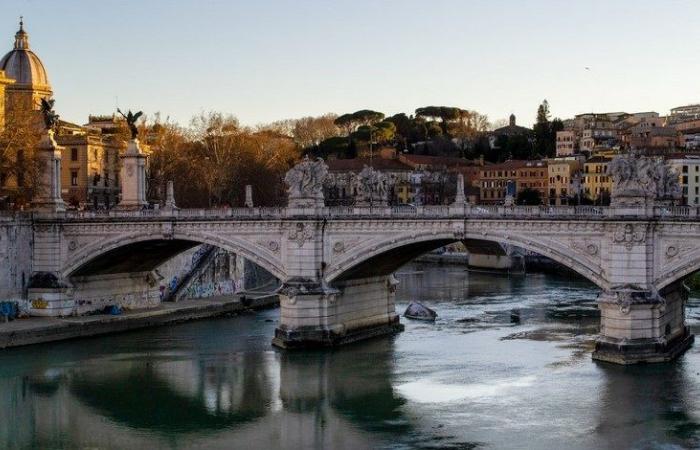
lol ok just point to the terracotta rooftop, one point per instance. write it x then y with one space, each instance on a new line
508 165
357 164
443 161
598 159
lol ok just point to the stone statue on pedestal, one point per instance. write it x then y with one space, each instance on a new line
640 181
47 195
131 119
372 187
49 115
305 182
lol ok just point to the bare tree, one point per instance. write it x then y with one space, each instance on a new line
19 165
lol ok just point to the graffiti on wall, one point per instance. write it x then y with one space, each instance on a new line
211 289
39 303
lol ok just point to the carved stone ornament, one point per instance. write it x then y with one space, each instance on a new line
300 234
629 235
637 179
305 180
339 247
625 296
588 247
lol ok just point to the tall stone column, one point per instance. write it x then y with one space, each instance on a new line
458 207
170 197
133 177
248 196
47 197
460 199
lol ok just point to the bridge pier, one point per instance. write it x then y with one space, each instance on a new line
49 296
642 326
316 315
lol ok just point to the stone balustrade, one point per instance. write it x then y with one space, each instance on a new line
431 211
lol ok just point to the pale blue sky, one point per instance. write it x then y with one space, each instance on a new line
264 60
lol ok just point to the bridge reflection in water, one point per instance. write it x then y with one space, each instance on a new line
106 397
475 377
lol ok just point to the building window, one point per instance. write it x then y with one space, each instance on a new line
74 178
73 154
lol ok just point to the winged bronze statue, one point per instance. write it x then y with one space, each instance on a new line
49 115
131 119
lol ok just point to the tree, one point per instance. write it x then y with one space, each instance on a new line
403 124
546 132
543 112
434 130
367 116
347 122
499 123
446 114
311 131
20 167
529 196
212 160
335 146
381 132
351 121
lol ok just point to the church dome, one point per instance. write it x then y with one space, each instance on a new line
22 64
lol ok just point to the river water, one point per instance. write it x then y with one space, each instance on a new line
506 366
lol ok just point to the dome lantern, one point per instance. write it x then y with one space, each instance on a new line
21 37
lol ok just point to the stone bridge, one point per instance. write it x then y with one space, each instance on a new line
336 264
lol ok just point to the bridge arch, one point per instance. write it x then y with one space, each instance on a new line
171 245
687 265
393 252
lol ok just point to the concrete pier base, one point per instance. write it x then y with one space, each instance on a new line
49 296
641 326
314 315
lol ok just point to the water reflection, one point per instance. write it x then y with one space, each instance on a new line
651 406
177 396
506 365
280 400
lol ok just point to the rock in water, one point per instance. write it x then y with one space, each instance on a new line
419 312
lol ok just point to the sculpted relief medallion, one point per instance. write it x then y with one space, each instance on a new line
630 235
300 234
